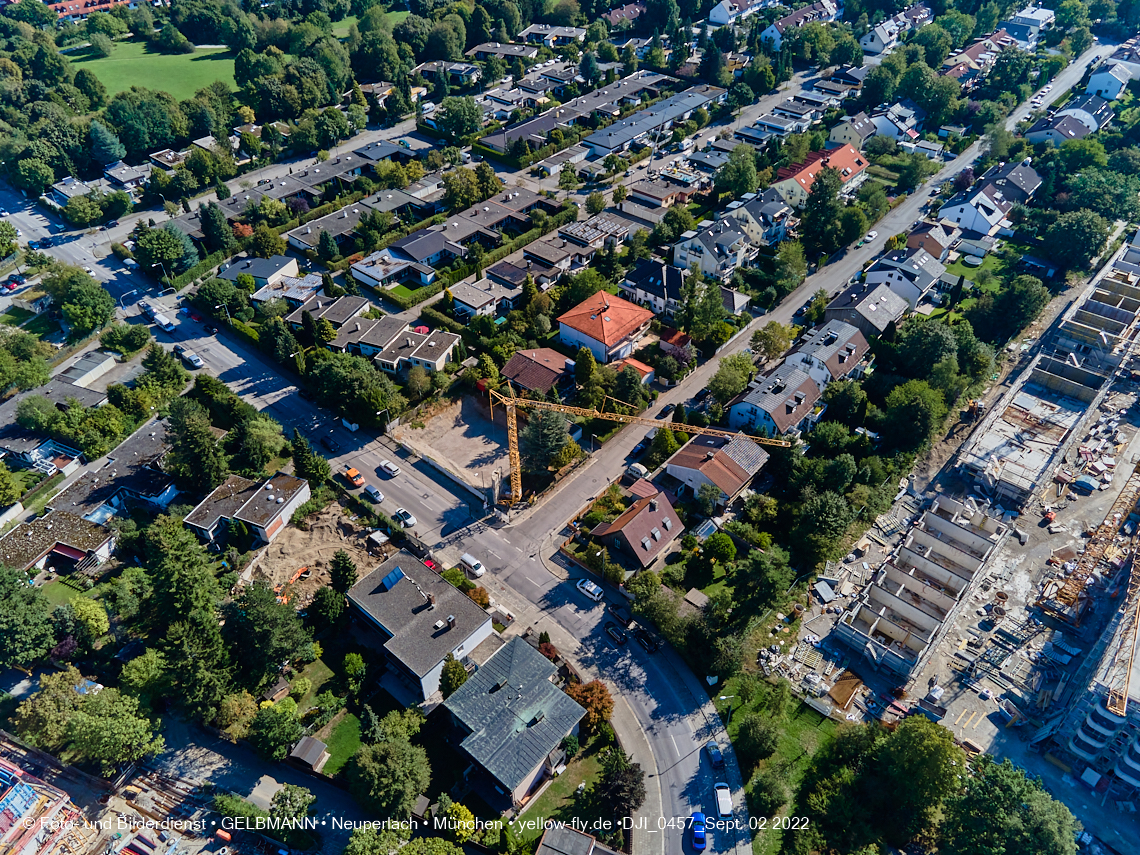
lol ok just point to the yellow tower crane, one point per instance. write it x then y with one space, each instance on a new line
512 404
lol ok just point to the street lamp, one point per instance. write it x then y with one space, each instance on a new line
728 698
227 311
132 291
384 423
593 436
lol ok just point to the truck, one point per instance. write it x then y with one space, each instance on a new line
156 317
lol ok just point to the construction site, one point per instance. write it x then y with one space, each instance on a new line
1009 612
297 563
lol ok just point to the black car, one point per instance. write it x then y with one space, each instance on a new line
701 395
330 444
666 410
646 640
615 633
622 615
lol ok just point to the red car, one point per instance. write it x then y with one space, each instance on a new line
195 317
10 287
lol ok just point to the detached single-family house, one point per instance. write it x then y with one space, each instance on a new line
129 178
730 11
538 370
338 311
656 284
794 182
869 308
910 273
265 271
900 121
783 401
430 351
1092 111
980 209
643 531
1108 81
835 351
421 619
727 464
264 508
293 290
936 238
717 249
552 36
765 217
1056 129
608 326
884 36
511 719
853 131
58 539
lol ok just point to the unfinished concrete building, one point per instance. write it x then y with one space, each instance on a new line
1027 435
897 620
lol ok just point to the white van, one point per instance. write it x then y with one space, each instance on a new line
636 470
723 800
472 565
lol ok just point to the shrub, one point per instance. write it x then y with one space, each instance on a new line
768 793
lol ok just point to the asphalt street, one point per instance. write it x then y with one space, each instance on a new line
667 701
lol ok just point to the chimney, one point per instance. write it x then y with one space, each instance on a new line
431 601
653 504
451 621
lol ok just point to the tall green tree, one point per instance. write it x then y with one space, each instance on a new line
183 578
738 175
105 145
821 221
216 229
196 458
622 784
343 572
108 728
263 632
275 729
386 778
545 435
452 677
25 620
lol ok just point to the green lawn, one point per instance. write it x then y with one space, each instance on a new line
343 743
14 316
41 325
561 800
58 593
133 64
991 262
403 291
318 673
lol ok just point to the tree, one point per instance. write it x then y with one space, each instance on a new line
196 459
719 547
386 778
731 378
10 489
216 230
291 802
756 738
1076 238
772 340
584 366
622 784
306 463
708 497
275 729
452 677
567 179
459 117
1113 195
1001 810
914 411
595 203
738 175
588 68
918 765
266 243
327 607
91 616
366 839
343 572
461 189
595 698
109 729
820 225
105 146
265 631
619 194
461 822
487 182
769 792
25 621
544 436
184 581
145 676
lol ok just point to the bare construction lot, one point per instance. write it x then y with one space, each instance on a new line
299 560
462 439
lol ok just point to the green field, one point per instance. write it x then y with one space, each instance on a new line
133 64
343 743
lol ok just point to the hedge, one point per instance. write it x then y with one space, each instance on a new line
430 313
246 331
209 263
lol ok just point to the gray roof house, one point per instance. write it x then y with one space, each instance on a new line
1057 129
512 718
265 271
1091 110
655 284
781 402
420 619
868 308
910 273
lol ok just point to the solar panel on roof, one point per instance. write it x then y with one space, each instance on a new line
389 581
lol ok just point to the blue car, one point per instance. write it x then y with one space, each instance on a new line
697 822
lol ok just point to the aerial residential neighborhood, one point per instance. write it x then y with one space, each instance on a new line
569 428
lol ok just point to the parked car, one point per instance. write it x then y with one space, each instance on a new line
646 640
615 633
330 444
9 287
193 360
622 615
389 468
715 755
471 565
373 494
404 518
180 349
591 590
870 236
17 279
697 823
353 476
666 410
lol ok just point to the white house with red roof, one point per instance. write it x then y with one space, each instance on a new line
608 326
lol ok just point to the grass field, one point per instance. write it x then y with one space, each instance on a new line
133 64
403 291
14 316
343 743
561 800
991 262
